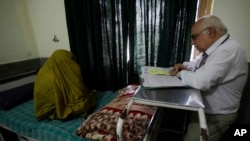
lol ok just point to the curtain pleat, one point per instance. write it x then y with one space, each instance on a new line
111 39
162 32
177 46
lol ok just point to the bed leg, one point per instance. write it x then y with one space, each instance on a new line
121 119
203 125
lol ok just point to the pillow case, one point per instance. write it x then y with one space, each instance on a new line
101 125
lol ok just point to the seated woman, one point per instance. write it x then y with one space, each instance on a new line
59 91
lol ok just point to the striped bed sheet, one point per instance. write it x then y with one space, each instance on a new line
22 121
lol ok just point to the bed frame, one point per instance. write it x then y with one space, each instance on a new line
20 120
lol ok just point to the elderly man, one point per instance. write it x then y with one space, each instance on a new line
219 72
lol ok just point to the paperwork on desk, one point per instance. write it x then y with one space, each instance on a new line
158 77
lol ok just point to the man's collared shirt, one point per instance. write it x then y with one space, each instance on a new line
221 79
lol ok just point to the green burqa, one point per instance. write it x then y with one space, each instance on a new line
59 91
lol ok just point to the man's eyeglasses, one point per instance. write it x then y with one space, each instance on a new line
194 36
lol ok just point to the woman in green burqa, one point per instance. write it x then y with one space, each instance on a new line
59 91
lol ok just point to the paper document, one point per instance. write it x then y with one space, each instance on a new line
156 77
158 71
155 70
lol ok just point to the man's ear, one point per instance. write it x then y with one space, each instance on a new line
211 32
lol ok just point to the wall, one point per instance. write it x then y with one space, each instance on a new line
48 19
28 27
234 14
17 41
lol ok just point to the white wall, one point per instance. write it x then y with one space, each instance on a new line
17 40
235 15
28 27
48 19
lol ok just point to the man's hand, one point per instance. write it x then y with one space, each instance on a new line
176 68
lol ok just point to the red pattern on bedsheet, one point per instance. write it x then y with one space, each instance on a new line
101 125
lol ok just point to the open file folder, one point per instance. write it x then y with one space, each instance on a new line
158 77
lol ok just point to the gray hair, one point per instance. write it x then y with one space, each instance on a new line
213 21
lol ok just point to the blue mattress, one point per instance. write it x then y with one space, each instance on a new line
21 120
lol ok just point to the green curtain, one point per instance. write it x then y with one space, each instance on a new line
162 31
175 43
98 33
111 39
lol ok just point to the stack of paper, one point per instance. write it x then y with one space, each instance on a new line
158 77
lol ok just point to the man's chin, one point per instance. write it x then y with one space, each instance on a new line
200 50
